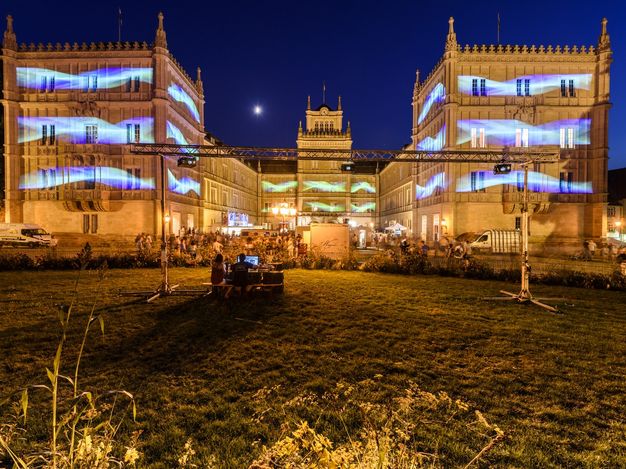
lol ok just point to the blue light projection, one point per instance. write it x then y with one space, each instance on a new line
437 95
73 129
180 95
183 185
174 132
107 175
435 143
537 182
502 131
366 207
539 84
436 181
322 207
362 186
101 78
279 186
323 186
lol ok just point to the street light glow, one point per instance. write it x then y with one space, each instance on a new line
258 110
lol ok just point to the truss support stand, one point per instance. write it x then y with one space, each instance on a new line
524 296
165 288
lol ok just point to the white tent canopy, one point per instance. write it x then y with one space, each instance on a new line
396 227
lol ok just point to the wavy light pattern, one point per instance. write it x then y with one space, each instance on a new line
73 129
436 181
183 185
502 131
285 186
437 95
539 84
537 182
362 186
366 207
180 95
435 143
106 78
107 175
323 186
322 207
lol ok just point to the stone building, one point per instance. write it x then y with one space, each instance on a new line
319 190
513 96
70 113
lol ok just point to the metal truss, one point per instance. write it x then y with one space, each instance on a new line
516 155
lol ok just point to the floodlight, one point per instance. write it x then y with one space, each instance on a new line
502 168
347 167
187 161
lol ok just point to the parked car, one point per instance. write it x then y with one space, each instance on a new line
25 235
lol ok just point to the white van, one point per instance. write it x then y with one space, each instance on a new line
498 242
25 235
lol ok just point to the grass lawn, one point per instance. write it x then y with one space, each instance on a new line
554 383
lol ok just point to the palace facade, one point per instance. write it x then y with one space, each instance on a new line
499 96
71 111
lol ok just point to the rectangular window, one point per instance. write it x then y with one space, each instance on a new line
527 87
565 181
483 87
519 87
477 181
572 91
90 182
563 89
85 223
518 223
137 84
521 137
129 133
44 134
137 133
570 138
43 84
94 224
52 178
474 87
129 85
91 134
53 137
481 138
51 84
94 82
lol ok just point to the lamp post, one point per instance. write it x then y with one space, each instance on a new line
283 209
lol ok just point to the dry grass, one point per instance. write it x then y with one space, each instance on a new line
555 384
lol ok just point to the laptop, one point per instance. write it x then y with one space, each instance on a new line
254 260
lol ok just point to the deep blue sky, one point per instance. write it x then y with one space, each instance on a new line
275 53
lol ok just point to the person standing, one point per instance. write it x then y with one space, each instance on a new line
592 248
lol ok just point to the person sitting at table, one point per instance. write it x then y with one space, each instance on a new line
217 271
240 274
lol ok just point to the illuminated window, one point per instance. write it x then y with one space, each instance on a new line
474 86
521 137
566 137
46 84
477 181
483 87
478 137
48 134
566 178
518 223
526 87
91 134
519 87
91 83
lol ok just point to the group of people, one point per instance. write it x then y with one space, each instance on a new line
607 252
444 246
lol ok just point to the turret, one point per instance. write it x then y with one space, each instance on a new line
9 41
451 43
160 39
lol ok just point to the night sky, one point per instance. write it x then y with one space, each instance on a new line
275 53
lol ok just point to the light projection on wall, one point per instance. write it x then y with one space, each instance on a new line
537 182
323 186
539 84
102 78
503 132
437 95
362 186
183 185
107 175
238 219
180 95
363 208
322 207
433 183
174 132
86 129
285 186
435 143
